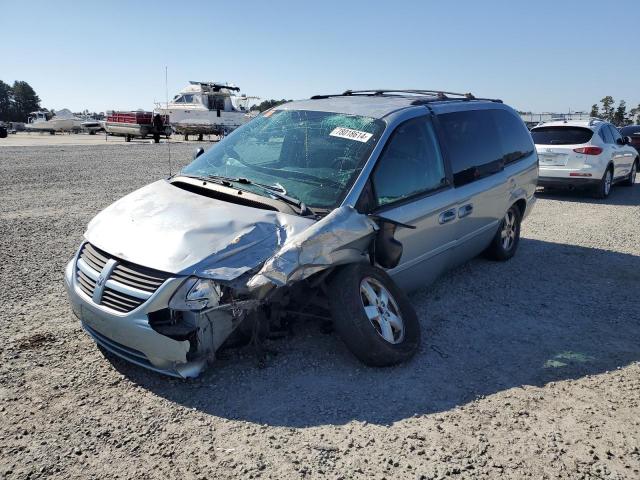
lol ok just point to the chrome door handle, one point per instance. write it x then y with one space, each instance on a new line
447 216
465 210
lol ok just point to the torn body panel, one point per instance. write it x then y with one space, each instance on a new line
343 236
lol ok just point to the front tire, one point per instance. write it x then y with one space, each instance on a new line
604 187
506 240
373 317
631 179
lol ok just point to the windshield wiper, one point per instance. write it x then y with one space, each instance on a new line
220 180
276 190
279 192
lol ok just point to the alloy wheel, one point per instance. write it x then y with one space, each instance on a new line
508 232
607 182
382 310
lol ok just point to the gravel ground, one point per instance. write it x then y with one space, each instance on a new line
527 368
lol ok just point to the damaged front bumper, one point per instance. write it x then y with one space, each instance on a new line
166 335
134 336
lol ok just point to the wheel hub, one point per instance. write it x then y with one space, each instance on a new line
382 310
508 232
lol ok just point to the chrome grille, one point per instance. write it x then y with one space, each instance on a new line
94 257
120 301
138 277
121 286
87 285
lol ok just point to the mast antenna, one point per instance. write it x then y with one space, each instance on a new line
166 109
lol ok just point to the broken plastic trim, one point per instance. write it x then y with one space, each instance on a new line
386 250
342 237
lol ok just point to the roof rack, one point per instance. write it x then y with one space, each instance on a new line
433 95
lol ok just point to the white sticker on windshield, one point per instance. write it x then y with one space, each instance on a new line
350 134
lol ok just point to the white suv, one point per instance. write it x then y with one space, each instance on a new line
584 154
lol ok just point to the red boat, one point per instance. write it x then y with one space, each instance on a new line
138 124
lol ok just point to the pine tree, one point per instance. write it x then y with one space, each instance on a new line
620 116
5 101
595 112
607 108
25 101
635 115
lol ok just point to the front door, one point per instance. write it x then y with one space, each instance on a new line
622 156
410 185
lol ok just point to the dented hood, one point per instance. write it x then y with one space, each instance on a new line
169 229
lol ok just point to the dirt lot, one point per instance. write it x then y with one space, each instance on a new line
526 369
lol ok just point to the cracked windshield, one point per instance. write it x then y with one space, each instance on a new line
313 157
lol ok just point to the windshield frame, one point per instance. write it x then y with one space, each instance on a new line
343 189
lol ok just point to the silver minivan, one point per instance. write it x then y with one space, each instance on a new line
330 208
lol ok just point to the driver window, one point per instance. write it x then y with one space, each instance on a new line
608 138
410 164
615 133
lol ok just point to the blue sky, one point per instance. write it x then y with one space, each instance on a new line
536 55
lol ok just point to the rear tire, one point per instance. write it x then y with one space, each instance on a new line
506 240
631 179
372 316
604 187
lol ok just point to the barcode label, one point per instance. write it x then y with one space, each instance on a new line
350 134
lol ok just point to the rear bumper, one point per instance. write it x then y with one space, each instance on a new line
574 182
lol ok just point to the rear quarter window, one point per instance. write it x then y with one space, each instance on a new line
561 135
515 139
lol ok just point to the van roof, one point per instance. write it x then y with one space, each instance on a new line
378 103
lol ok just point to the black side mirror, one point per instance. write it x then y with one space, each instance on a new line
621 141
198 152
387 250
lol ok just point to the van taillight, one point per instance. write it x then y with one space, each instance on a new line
588 150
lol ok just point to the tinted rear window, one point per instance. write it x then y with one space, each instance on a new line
482 142
514 136
474 144
632 130
561 135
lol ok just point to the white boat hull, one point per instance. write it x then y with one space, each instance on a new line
55 125
204 121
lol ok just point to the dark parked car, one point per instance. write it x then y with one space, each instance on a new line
633 132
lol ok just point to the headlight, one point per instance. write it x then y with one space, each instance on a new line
196 294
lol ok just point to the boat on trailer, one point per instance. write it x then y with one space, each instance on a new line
61 121
208 108
139 124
